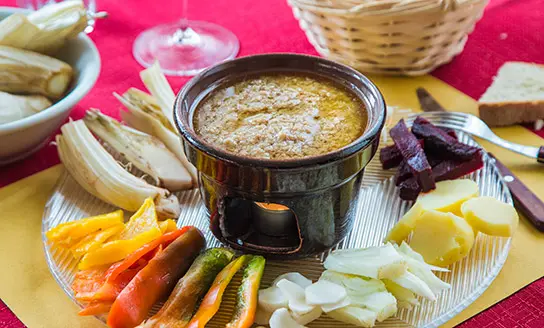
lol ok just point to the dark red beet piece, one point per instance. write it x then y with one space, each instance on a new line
446 170
441 144
411 150
450 170
409 189
403 173
450 132
391 157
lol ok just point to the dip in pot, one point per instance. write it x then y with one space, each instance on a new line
280 116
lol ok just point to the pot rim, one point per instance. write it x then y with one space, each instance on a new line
372 131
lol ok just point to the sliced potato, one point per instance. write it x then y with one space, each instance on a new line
406 224
490 216
442 238
449 195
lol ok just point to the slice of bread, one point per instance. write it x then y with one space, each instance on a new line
515 96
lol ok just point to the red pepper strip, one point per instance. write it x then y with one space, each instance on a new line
155 281
102 299
165 240
211 302
106 286
88 282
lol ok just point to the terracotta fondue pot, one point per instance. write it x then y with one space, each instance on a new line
280 208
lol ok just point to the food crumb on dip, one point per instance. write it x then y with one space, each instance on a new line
280 117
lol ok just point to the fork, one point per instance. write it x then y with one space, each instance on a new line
473 125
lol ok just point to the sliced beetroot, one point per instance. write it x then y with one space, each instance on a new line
440 143
450 170
411 150
409 189
446 170
403 173
391 157
450 132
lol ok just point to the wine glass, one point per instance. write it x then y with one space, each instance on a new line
185 47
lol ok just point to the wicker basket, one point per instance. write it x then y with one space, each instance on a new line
393 37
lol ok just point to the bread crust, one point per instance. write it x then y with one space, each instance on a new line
509 113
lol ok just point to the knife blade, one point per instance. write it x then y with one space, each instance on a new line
427 102
525 200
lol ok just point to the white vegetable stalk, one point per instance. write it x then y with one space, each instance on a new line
144 114
366 293
15 107
422 270
383 303
373 262
324 292
413 283
142 150
28 72
355 315
46 30
100 174
155 81
406 299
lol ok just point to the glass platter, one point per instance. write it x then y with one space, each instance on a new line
378 209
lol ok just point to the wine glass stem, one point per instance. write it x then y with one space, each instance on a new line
184 19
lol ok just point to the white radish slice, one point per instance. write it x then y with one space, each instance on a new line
295 277
331 307
262 317
305 319
282 319
271 299
324 292
295 295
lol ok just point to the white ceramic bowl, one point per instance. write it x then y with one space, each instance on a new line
21 138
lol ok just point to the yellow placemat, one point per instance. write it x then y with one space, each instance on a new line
28 288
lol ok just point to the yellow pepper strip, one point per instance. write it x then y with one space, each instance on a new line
68 234
117 250
143 220
141 229
167 226
94 240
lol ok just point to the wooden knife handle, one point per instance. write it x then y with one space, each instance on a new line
524 199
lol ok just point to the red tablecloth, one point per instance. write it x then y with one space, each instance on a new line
509 30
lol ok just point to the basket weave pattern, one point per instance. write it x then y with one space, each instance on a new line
392 37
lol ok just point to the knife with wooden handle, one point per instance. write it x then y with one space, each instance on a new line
525 200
